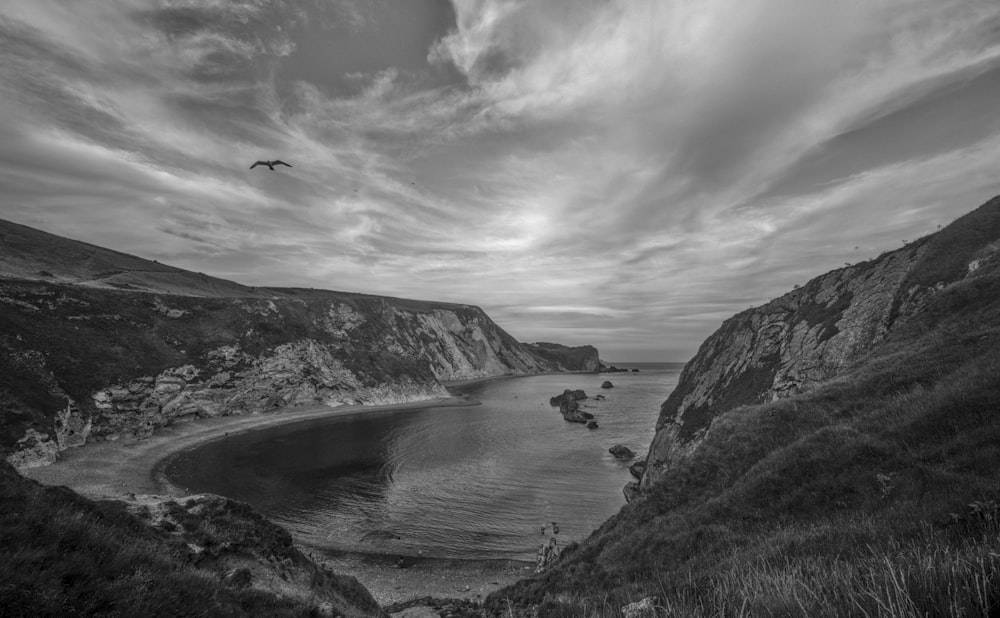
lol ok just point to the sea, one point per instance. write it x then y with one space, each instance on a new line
471 482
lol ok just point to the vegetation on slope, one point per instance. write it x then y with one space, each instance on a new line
875 495
64 555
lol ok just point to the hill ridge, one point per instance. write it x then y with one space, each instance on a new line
119 356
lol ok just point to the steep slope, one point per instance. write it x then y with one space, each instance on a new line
817 331
868 487
99 345
64 555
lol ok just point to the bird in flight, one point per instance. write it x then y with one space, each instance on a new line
270 164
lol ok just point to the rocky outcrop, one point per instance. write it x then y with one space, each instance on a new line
566 396
569 406
620 451
579 358
86 361
815 332
631 491
239 547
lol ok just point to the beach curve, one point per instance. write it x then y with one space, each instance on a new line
122 469
132 471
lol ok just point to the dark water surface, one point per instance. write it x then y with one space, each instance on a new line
449 482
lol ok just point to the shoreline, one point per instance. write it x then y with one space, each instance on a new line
121 469
133 471
442 578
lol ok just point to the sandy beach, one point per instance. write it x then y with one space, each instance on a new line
122 468
130 470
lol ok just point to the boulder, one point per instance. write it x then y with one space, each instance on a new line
548 552
569 406
33 450
607 384
620 451
571 412
592 425
566 395
640 609
638 468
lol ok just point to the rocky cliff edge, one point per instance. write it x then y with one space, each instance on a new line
815 332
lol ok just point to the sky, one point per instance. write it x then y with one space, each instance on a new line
621 173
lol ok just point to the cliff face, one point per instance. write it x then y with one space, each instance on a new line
815 332
104 355
579 358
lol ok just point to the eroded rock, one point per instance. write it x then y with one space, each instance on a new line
620 451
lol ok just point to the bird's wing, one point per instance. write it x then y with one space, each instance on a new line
258 163
279 163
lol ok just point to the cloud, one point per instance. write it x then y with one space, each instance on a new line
623 173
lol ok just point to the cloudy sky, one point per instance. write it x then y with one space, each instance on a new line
624 173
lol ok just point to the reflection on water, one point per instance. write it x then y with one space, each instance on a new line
474 481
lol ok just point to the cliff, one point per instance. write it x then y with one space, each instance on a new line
579 358
816 332
100 345
831 453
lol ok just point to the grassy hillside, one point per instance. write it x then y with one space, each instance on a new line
64 555
875 495
29 254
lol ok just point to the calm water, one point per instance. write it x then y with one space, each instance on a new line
456 482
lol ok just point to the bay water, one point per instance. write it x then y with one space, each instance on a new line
472 482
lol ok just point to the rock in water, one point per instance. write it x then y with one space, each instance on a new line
569 406
567 394
620 451
592 425
607 384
